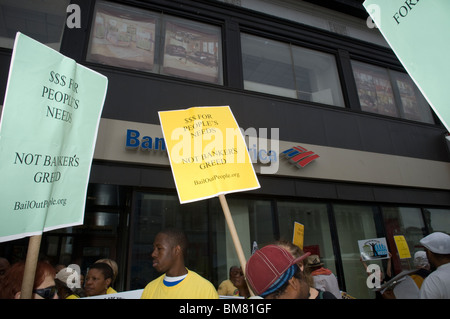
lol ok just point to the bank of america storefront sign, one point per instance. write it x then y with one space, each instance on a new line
142 143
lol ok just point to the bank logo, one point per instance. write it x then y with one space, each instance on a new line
299 156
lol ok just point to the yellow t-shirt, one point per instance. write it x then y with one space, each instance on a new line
226 288
111 290
193 286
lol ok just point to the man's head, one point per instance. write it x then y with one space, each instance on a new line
169 250
437 246
272 272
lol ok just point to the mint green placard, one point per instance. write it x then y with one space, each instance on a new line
48 129
417 32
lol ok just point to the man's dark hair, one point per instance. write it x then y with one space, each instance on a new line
177 237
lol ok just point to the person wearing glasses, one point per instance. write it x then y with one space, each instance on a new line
44 282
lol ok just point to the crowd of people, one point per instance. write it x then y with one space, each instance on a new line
277 271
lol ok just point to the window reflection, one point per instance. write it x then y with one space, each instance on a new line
391 93
279 68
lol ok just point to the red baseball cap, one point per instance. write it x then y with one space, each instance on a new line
267 265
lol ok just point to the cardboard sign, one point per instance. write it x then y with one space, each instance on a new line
207 152
414 29
48 130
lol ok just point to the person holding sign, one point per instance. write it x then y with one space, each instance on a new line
177 282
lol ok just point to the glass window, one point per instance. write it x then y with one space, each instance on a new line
138 39
279 68
390 93
43 21
154 212
355 223
317 237
192 50
261 222
316 77
374 89
409 223
437 220
414 105
252 219
123 36
267 66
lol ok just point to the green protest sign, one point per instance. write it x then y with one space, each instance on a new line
48 130
414 29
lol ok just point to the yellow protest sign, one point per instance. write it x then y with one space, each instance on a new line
207 152
299 234
402 247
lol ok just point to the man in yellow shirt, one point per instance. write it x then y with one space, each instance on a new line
177 282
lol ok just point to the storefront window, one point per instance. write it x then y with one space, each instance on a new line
314 218
407 222
151 214
253 222
41 20
138 39
282 69
437 220
390 93
354 223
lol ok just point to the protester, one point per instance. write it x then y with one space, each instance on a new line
44 284
98 279
423 268
409 286
273 273
298 252
323 278
437 284
176 282
115 269
235 285
69 284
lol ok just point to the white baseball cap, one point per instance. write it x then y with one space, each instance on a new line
438 243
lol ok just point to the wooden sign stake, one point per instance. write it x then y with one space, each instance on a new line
30 266
234 235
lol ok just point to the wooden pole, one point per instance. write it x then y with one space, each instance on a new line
34 245
234 235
